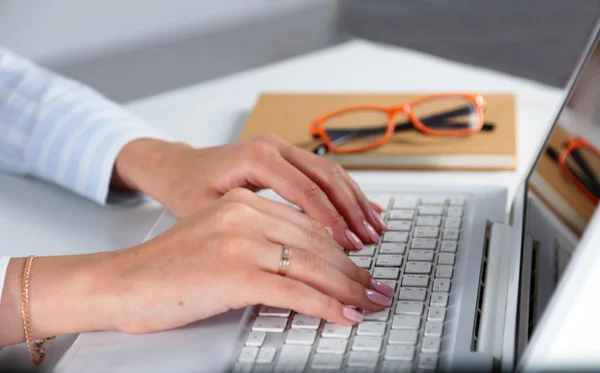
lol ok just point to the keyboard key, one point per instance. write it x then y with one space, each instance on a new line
248 354
301 337
409 308
417 294
403 337
452 222
386 273
426 232
361 261
395 237
443 271
305 322
423 243
266 355
428 361
431 345
392 248
448 246
439 300
390 283
441 285
269 324
332 346
431 210
336 331
256 339
382 315
274 311
388 260
420 255
362 343
406 322
415 280
399 225
450 234
327 362
371 328
402 214
436 314
432 221
368 250
457 201
406 202
417 267
293 356
363 359
394 352
454 212
446 258
434 200
434 329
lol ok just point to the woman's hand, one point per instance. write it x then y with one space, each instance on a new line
227 257
185 179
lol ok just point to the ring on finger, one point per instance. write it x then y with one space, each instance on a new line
285 261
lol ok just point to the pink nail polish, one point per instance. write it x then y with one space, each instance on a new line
371 231
382 288
329 230
354 240
379 219
352 315
378 298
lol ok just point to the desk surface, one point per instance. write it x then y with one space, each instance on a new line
38 219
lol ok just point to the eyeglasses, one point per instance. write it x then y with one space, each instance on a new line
580 162
360 128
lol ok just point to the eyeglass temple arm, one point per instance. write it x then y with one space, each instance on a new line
585 167
590 183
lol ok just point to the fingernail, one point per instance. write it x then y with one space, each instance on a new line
379 219
352 315
371 231
329 230
378 298
383 288
354 240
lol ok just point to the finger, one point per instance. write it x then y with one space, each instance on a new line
335 182
312 270
376 207
278 291
296 187
373 215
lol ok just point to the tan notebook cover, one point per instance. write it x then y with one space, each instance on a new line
289 115
557 191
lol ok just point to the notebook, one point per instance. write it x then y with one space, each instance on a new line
557 191
289 115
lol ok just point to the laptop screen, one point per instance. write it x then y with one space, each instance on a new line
563 190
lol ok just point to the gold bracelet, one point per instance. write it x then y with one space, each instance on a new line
36 349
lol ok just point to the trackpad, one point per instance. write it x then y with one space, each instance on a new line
205 346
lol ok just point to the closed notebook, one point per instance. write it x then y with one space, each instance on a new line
289 116
558 192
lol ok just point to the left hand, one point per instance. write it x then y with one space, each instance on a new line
185 179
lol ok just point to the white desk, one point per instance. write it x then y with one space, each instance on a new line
37 219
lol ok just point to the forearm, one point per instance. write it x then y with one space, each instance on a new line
67 294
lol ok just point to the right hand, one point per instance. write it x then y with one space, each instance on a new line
227 257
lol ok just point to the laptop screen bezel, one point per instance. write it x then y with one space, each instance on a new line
588 50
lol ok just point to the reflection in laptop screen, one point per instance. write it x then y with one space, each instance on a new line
563 191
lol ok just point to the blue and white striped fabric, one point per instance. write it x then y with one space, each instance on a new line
59 130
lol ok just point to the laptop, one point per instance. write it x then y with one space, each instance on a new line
473 290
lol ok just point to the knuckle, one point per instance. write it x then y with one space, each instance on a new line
313 263
270 138
238 194
311 191
260 149
231 211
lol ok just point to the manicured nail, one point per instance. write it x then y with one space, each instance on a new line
378 298
371 231
352 315
329 230
383 288
379 219
354 240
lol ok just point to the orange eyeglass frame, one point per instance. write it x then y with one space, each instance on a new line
317 127
572 144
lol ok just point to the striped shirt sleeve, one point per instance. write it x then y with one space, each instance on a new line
59 130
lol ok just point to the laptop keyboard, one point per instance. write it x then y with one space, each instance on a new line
416 257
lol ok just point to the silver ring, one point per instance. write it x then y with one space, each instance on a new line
284 263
